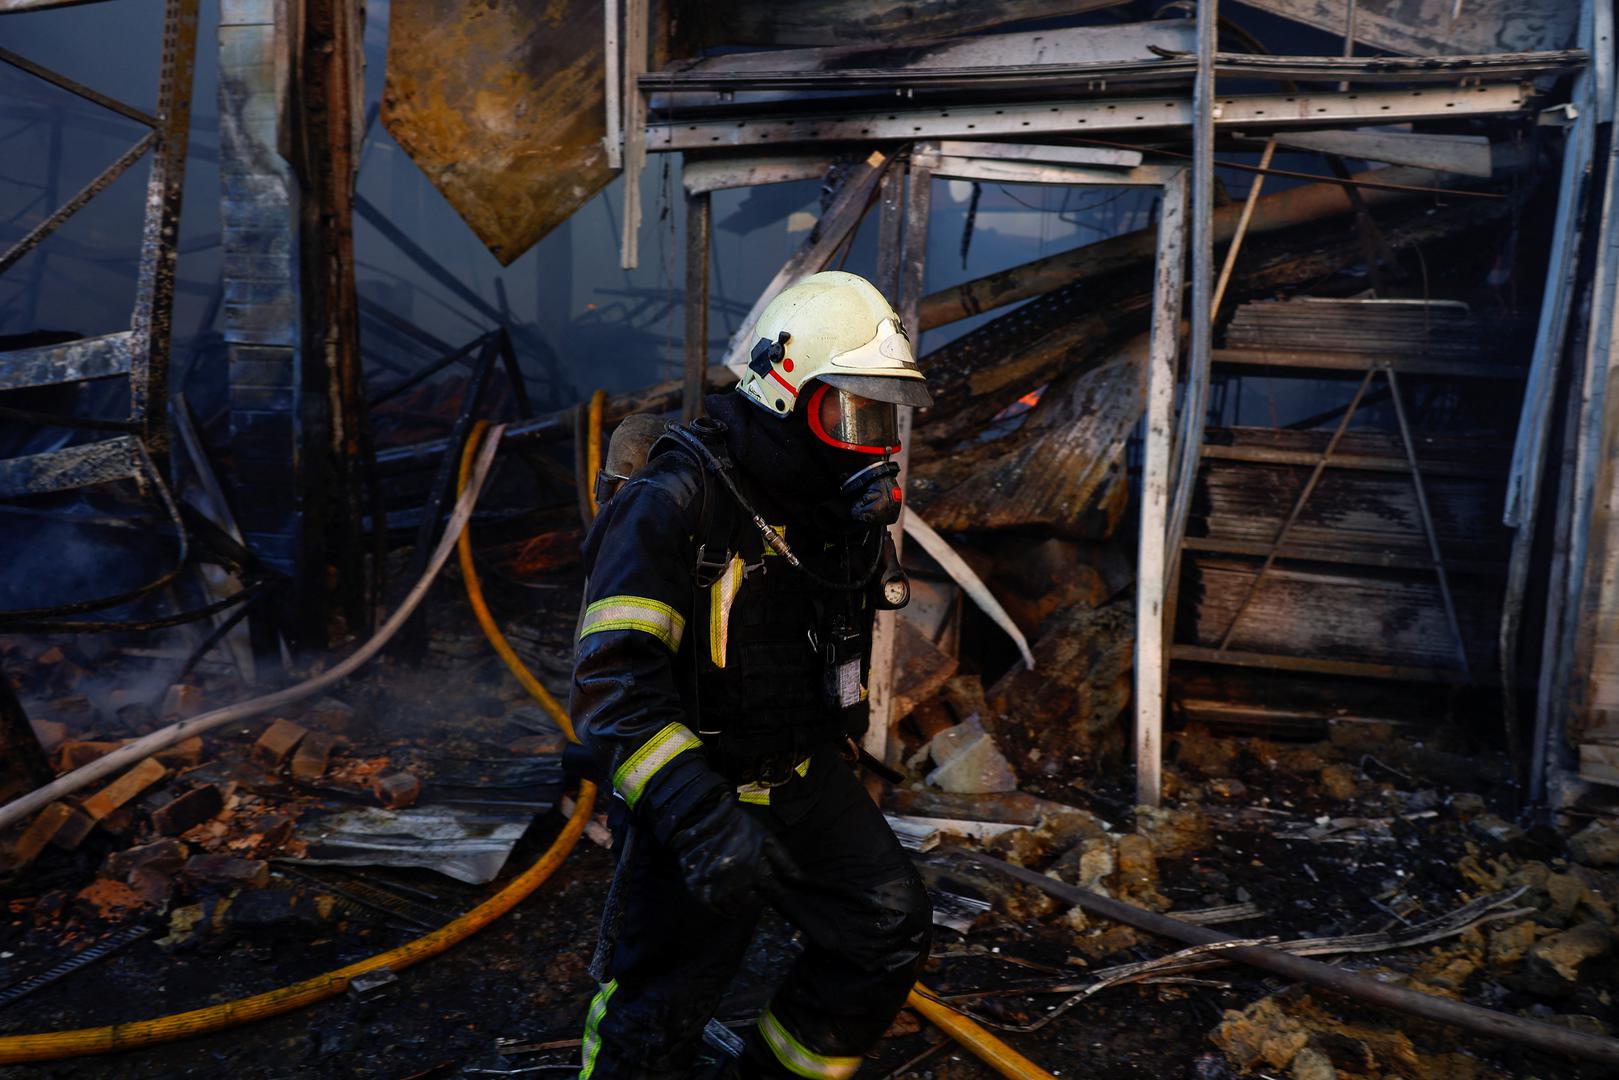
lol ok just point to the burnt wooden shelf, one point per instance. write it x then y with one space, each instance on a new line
1357 362
1322 666
1377 557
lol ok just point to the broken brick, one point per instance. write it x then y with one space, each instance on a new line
109 899
40 832
74 707
274 830
50 733
332 714
121 822
52 655
396 790
182 755
309 763
165 856
153 886
73 831
77 753
228 870
126 787
182 702
277 743
189 810
138 717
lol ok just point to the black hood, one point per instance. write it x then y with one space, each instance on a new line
785 465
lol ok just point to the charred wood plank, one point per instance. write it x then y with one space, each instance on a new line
1061 474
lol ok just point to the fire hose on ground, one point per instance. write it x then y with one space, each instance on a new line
112 1038
976 1039
48 1046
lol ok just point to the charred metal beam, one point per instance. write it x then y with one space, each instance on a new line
1315 665
76 467
151 323
1516 1031
698 229
56 78
1171 67
1250 111
103 357
38 233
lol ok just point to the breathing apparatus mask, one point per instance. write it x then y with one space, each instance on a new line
859 429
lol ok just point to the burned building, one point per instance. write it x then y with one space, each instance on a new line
1260 535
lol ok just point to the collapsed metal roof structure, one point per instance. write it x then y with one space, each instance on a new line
1484 569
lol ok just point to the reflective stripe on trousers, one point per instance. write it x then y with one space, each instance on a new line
592 1044
799 1059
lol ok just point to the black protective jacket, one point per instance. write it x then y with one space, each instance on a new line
685 682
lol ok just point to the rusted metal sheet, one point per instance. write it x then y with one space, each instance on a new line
502 105
1426 27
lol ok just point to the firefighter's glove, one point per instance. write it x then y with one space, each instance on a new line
729 861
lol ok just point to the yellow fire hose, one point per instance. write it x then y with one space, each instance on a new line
972 1036
49 1046
975 1039
474 587
593 448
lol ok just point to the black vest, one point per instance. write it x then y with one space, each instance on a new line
762 674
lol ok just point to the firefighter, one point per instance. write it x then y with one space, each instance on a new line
718 683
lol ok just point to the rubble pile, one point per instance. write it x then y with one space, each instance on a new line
1323 845
220 837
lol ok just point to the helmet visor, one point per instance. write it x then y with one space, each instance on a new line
851 422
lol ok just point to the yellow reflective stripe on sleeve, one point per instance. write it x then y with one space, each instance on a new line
592 1043
631 777
721 595
799 1059
634 613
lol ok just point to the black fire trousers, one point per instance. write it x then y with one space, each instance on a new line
860 906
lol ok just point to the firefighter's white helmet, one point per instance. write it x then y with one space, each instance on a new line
833 328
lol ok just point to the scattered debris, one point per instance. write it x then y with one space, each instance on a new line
968 761
396 791
277 743
467 844
1596 845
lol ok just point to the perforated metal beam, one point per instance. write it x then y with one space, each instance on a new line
1253 112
